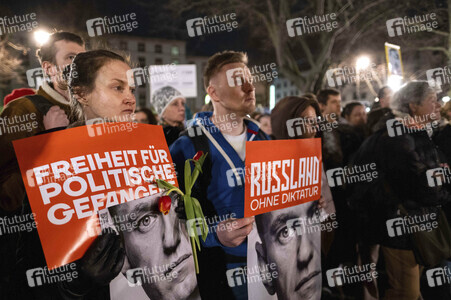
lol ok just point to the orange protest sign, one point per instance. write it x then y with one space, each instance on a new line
286 173
71 174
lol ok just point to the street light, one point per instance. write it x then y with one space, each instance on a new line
362 62
41 37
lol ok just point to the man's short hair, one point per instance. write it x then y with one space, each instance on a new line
323 95
47 52
220 59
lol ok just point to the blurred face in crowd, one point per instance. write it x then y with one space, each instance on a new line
141 117
64 54
265 123
385 101
112 97
297 256
159 243
310 121
358 116
175 112
333 106
239 98
428 110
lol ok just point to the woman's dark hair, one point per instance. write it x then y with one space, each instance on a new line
261 116
83 74
347 110
287 109
150 116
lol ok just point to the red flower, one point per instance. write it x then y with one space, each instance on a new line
198 155
164 204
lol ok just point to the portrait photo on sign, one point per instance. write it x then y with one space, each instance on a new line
284 254
394 60
159 262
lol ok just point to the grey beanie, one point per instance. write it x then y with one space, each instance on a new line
163 96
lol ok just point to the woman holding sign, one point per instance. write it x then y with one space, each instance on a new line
100 92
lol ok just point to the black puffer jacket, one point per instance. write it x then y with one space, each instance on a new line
402 162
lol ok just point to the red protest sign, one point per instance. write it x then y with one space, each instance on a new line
71 174
286 173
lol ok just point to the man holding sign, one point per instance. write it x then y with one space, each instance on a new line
223 134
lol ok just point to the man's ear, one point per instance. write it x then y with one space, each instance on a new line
263 265
48 68
322 107
211 91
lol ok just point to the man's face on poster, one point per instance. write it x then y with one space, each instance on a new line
297 257
160 243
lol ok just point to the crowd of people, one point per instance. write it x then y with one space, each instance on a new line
349 135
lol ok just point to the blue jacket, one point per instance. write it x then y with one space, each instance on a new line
225 192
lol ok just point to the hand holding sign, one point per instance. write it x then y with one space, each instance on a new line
55 117
237 231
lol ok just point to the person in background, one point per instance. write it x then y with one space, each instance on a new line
402 161
170 105
51 101
380 108
330 104
265 123
355 115
145 116
339 144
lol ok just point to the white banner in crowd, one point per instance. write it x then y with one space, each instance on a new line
181 77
